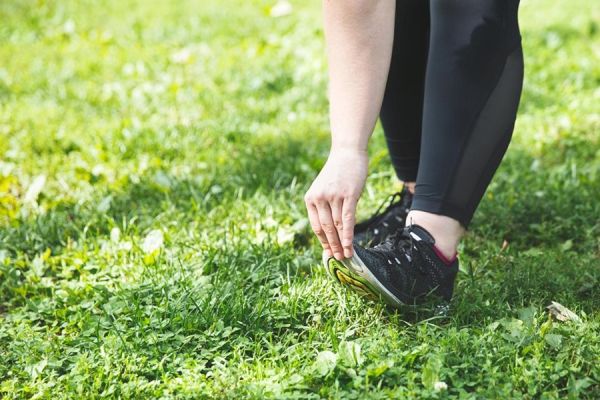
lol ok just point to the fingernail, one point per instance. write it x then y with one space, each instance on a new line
339 256
328 253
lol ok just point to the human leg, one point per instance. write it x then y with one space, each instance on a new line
472 91
402 108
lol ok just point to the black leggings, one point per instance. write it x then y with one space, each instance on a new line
451 98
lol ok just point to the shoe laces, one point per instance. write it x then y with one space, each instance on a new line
403 242
392 199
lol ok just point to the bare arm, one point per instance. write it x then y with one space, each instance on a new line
359 36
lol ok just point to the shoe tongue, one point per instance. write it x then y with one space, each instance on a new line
419 233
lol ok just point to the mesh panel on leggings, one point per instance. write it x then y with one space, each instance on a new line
489 139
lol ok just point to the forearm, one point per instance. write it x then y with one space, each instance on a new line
359 36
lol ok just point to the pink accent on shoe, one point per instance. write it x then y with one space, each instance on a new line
443 257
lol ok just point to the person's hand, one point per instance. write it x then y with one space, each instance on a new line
332 198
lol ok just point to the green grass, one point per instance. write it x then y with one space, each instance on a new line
203 123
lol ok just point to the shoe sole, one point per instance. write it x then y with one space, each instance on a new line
354 275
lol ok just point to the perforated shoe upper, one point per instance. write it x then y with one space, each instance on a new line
408 266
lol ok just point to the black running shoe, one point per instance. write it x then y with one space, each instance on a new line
402 269
384 224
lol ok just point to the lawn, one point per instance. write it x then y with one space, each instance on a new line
153 237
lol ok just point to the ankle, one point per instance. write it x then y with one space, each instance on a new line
410 186
446 231
443 257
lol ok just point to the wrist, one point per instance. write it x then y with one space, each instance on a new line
356 148
350 138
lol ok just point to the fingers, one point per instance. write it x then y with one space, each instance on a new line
315 223
326 219
348 213
336 215
333 223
